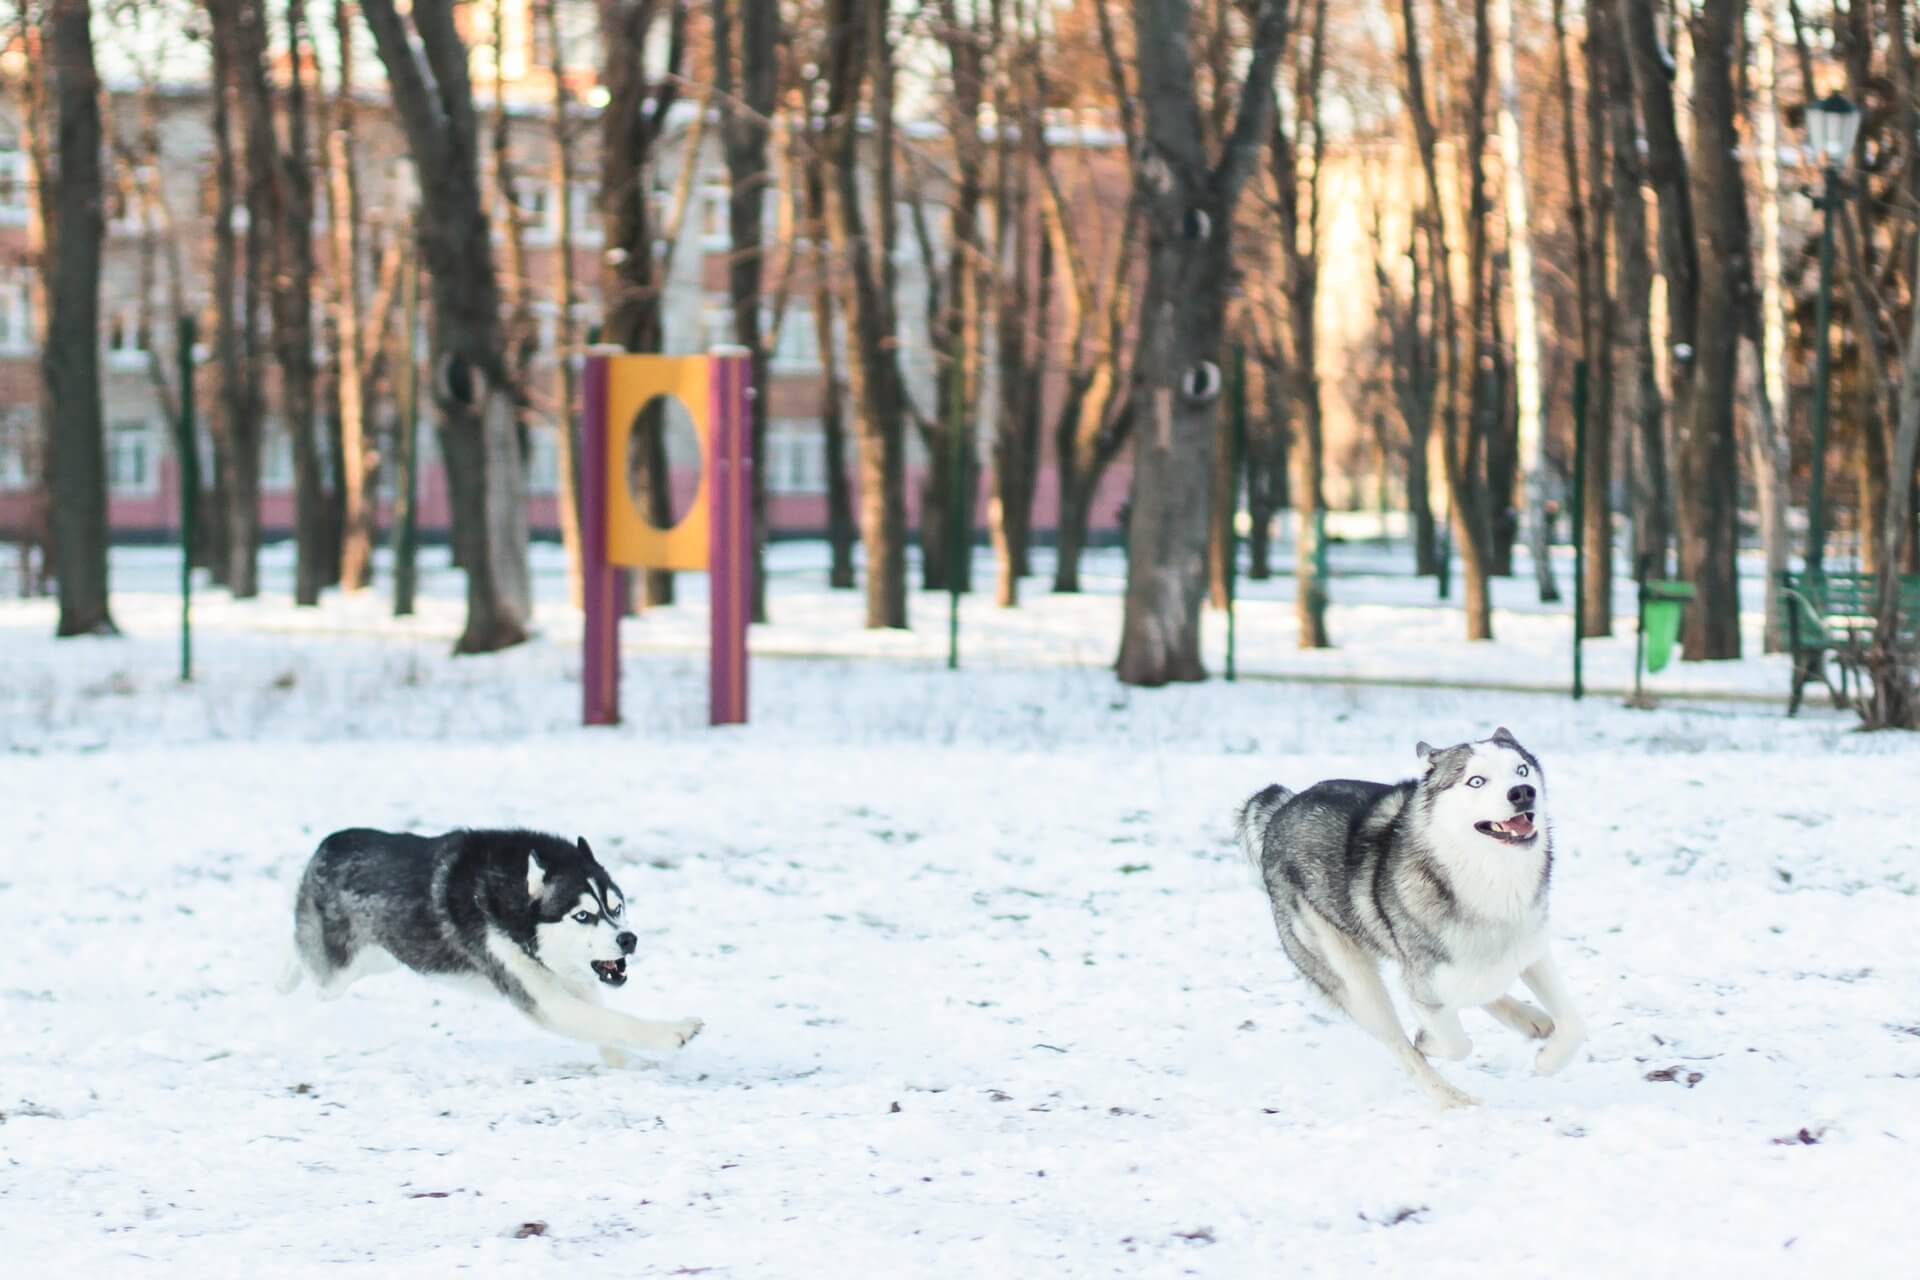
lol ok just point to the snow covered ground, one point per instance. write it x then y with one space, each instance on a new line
987 989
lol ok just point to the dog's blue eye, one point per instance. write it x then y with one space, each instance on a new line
614 909
584 917
1523 771
1476 781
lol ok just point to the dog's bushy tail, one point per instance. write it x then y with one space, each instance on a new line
1250 823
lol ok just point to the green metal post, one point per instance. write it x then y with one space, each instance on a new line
1236 461
1822 367
406 544
189 479
1579 519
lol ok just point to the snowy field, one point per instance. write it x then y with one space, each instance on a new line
988 991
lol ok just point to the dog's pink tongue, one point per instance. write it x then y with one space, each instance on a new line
1519 825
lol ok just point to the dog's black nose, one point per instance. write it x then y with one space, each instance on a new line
627 943
1521 797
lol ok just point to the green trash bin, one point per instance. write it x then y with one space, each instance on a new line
1662 604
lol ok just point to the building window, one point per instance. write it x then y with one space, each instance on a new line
16 313
16 447
276 458
584 211
132 458
127 339
798 350
796 457
543 467
714 231
16 187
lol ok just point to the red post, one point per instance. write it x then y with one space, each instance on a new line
730 533
600 668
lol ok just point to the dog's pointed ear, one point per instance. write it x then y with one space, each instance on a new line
1425 752
1501 737
581 843
536 875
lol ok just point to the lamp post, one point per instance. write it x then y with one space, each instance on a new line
1832 124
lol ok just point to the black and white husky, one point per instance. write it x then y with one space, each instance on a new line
1446 875
529 916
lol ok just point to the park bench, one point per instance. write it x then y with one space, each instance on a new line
1833 613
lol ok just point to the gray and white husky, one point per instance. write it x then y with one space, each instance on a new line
531 917
1446 875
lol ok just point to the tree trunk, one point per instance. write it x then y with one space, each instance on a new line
239 277
70 361
1526 334
1666 172
1189 206
1767 434
565 416
355 462
631 124
1709 454
434 99
1267 458
746 124
859 39
1461 443
1596 305
1296 178
833 430
293 291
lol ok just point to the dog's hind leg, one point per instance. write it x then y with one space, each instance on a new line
1569 1031
1364 996
1529 1020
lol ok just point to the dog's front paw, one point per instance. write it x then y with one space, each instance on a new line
685 1030
1451 1097
1559 1049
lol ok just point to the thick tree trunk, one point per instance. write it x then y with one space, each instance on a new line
434 100
1709 454
859 39
1666 172
70 362
1189 206
1596 303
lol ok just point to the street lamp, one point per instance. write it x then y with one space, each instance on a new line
1832 124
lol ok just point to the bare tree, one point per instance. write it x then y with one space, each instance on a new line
353 347
746 114
1461 443
293 292
1598 311
433 97
1188 200
1297 163
1526 334
565 393
70 361
859 44
632 125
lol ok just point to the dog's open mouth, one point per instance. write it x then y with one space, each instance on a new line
1518 829
611 972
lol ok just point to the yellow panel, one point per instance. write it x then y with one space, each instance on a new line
632 380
